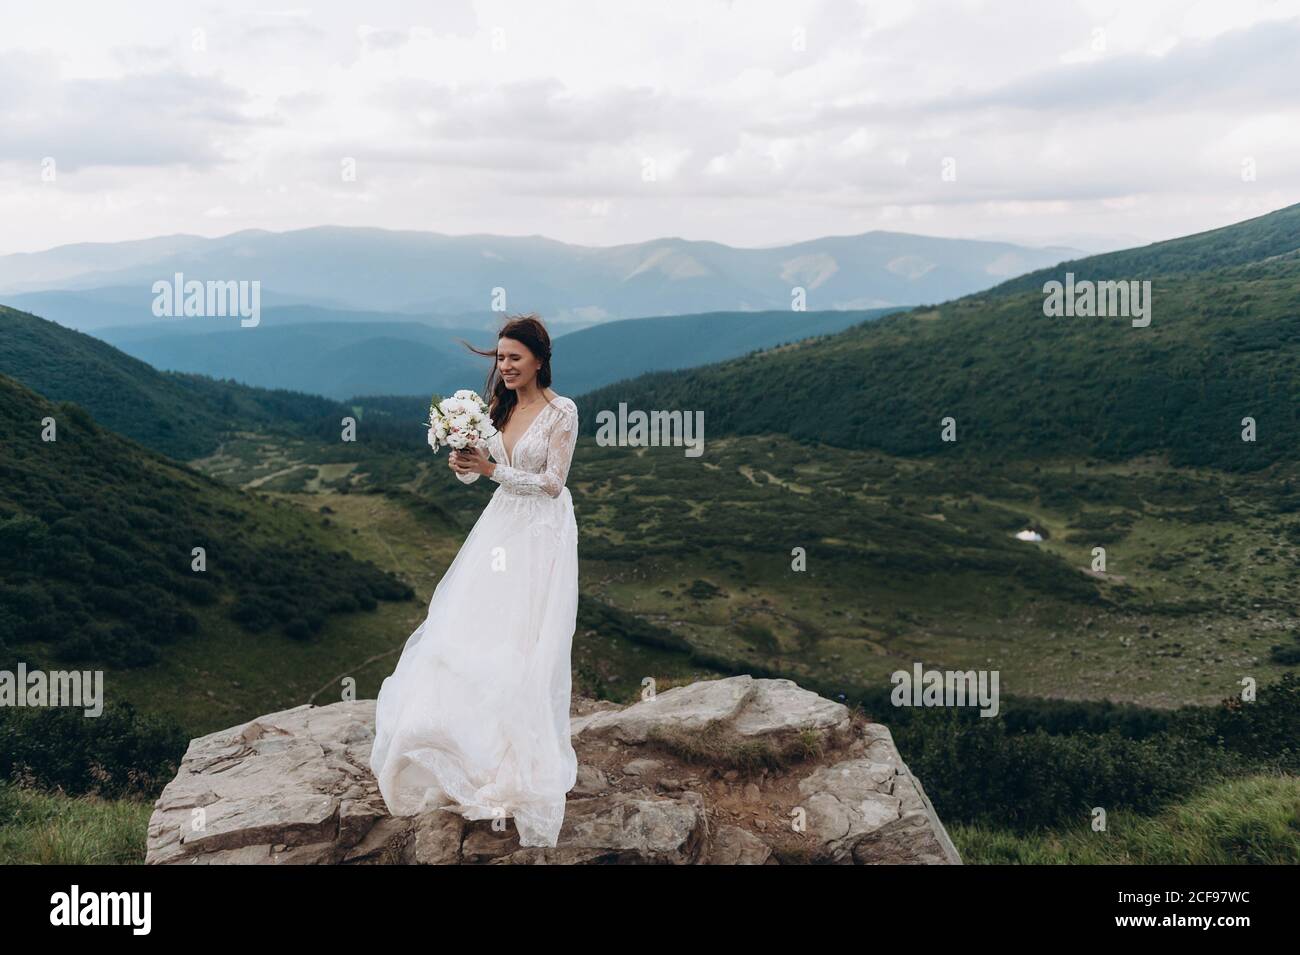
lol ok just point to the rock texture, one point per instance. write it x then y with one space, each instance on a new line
723 772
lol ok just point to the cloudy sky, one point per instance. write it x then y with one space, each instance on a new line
751 123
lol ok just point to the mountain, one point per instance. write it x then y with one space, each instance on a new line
182 416
426 274
1087 243
344 359
1254 240
335 359
50 268
614 351
1223 345
97 539
121 313
94 309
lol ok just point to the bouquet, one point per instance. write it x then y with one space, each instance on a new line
459 422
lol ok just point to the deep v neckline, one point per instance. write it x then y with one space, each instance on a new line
509 452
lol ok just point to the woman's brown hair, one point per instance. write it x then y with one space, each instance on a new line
529 331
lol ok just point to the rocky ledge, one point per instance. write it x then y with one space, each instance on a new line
734 771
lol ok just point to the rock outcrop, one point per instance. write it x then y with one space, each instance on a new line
739 771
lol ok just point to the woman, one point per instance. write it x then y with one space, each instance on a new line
475 718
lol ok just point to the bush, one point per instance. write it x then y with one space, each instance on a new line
1287 654
121 753
976 771
1045 762
1266 731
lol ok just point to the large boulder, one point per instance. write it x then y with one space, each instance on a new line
737 771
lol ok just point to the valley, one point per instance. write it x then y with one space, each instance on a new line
904 562
1099 534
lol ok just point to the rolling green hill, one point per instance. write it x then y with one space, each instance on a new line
587 359
180 415
687 565
337 359
1254 240
907 559
342 359
96 548
1223 344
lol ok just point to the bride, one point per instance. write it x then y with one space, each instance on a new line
475 717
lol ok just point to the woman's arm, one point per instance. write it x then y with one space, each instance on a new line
561 440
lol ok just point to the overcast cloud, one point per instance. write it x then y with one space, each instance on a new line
764 122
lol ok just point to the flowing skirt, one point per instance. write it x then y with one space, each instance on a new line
475 717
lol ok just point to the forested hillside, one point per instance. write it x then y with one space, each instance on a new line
1222 345
180 415
1274 234
97 538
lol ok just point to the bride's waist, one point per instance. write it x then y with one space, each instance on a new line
530 492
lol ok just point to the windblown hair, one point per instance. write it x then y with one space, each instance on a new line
529 331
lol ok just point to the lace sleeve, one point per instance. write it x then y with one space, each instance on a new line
560 442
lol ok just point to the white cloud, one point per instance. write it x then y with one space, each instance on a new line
768 121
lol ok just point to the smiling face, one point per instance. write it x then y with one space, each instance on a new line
515 363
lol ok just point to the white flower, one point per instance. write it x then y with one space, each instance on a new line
460 421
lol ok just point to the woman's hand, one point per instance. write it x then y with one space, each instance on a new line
468 460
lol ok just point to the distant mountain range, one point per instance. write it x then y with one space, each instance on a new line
322 354
347 311
338 359
1222 346
618 350
450 279
182 416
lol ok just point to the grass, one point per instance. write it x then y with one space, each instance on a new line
715 745
706 556
907 559
39 828
888 583
1255 820
252 674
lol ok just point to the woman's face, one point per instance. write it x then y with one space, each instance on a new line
515 363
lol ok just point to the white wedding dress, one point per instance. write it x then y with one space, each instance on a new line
475 717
